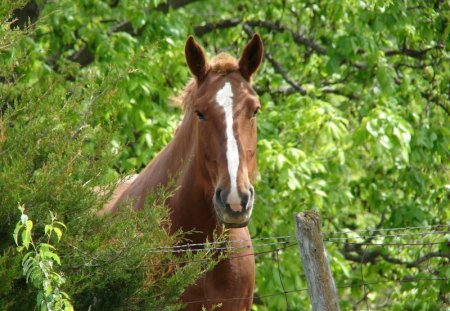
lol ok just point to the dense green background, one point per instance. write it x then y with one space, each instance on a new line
355 122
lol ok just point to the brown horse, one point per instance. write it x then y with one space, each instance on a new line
213 155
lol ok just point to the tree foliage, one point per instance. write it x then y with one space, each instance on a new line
354 122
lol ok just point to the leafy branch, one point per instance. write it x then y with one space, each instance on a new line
314 46
355 252
38 263
298 37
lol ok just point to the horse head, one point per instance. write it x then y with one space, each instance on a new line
224 107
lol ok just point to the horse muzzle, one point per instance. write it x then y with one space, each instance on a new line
233 212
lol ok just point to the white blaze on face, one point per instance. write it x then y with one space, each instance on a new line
224 98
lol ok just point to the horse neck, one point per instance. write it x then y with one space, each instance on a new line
191 204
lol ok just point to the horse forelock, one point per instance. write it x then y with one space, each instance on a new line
222 63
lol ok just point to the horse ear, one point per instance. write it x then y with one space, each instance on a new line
195 58
251 57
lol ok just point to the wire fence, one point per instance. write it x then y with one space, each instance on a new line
306 289
287 239
362 239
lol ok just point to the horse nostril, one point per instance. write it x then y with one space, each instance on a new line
219 198
246 198
218 191
244 202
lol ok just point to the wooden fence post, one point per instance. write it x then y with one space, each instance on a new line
321 286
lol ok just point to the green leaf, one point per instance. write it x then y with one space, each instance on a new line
16 233
39 298
61 224
32 273
29 225
45 247
48 229
58 233
26 238
55 257
292 181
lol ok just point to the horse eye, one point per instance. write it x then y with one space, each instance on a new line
200 115
256 111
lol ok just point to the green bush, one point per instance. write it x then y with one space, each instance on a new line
56 129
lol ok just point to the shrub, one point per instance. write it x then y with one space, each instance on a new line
56 128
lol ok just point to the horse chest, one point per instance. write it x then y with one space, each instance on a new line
230 284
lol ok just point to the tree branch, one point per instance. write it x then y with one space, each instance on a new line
417 262
355 253
29 13
84 56
419 54
436 101
271 26
296 36
173 4
284 74
276 65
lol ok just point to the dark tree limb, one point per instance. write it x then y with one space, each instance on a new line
122 27
283 91
283 73
286 91
173 4
355 253
84 56
436 101
271 26
439 104
417 262
28 14
298 37
295 87
277 65
419 54
127 27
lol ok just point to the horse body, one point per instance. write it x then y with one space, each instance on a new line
212 158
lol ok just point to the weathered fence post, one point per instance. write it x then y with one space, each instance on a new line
321 286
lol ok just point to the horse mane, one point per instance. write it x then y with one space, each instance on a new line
222 64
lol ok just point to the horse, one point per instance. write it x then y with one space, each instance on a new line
213 156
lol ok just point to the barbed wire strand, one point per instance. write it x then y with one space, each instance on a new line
233 257
389 235
388 229
189 245
218 300
389 244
